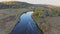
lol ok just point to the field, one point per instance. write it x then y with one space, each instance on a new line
9 19
47 21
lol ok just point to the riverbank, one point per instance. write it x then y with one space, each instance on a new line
40 23
49 25
9 21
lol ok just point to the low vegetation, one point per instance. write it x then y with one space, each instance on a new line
38 13
50 19
44 12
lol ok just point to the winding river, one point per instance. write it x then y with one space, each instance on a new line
26 25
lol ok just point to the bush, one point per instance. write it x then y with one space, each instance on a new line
39 13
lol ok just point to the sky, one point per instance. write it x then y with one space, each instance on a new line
51 2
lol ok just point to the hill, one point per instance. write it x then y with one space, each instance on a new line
14 4
17 4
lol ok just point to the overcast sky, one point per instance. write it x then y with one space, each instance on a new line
51 2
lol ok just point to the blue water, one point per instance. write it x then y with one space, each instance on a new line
26 25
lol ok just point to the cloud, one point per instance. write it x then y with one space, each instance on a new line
51 2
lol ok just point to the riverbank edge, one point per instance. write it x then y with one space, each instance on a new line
38 24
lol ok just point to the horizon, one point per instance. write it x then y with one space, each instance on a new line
50 2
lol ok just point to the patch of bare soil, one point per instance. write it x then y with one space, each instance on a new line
54 24
6 24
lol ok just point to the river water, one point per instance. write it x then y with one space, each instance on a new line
26 25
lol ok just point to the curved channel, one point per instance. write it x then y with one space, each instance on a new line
26 25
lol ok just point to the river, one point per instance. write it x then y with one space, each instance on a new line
26 25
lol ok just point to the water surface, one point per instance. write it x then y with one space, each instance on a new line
26 25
